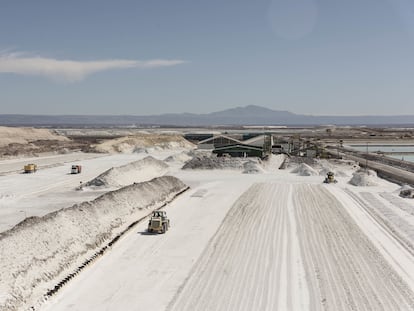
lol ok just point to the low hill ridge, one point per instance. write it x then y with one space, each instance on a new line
248 115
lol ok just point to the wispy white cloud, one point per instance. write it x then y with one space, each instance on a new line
70 70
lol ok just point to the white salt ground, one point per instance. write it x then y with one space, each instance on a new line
119 280
134 172
65 238
52 187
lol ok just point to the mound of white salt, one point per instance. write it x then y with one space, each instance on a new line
130 173
325 170
179 157
252 167
39 251
24 135
211 162
304 170
142 142
364 178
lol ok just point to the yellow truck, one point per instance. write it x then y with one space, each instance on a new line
30 168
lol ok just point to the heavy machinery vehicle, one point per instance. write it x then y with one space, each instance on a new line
76 169
158 222
330 178
30 168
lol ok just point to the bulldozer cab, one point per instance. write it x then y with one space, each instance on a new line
161 214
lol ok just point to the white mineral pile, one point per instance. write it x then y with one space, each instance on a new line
304 169
138 171
178 157
326 167
24 135
39 251
252 167
338 167
212 162
141 142
364 178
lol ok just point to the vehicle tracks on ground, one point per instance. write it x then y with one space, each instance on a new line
291 247
350 272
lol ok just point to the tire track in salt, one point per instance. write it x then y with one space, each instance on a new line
291 247
249 264
350 272
319 268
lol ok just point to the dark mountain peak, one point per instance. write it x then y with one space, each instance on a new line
250 110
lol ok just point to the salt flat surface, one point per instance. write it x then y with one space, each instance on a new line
53 187
272 240
41 250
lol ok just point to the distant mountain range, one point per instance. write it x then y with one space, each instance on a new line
249 115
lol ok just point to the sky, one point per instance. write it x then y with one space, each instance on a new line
136 57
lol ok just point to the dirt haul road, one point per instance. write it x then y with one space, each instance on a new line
281 246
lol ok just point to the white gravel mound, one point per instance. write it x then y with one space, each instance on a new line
179 157
142 142
24 135
252 167
338 166
130 173
304 170
40 250
364 178
204 162
325 170
333 166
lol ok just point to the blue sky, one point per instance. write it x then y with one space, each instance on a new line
321 57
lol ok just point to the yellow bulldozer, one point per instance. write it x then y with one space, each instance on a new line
330 178
158 222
